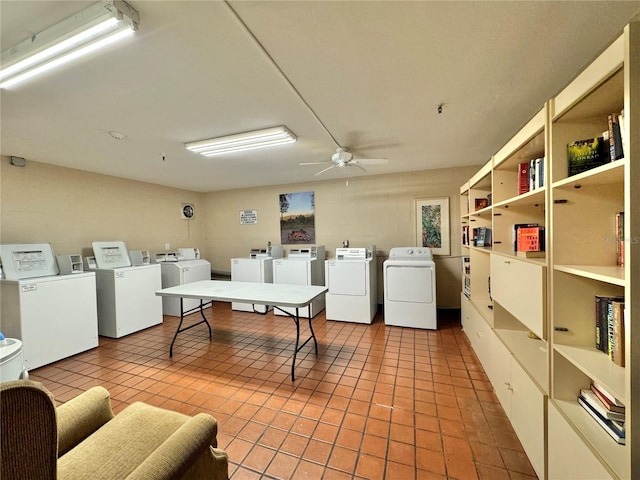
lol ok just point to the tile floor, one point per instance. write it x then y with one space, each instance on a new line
377 402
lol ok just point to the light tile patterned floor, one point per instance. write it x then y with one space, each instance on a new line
377 402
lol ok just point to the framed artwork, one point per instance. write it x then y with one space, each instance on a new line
297 218
432 225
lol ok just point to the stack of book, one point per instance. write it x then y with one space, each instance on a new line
530 175
528 240
610 327
583 155
605 409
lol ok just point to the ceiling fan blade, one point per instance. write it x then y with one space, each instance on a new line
354 163
373 161
328 168
314 163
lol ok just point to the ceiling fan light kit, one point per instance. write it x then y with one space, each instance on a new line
96 27
238 142
343 158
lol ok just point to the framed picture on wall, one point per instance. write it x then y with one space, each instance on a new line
432 225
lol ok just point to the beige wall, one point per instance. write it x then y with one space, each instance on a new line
71 208
378 210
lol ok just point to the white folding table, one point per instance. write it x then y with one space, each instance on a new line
276 295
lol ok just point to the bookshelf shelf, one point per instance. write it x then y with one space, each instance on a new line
613 274
596 365
611 452
553 295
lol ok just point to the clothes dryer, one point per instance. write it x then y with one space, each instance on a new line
410 288
127 300
351 279
55 316
256 268
179 272
303 266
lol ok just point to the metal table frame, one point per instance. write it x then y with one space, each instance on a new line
296 296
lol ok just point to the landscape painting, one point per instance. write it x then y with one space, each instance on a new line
297 218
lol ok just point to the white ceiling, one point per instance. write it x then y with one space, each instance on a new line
373 73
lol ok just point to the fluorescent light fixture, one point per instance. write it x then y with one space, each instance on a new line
242 141
96 27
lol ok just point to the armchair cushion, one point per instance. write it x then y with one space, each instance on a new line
142 442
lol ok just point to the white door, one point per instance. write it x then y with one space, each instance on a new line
404 283
347 278
291 272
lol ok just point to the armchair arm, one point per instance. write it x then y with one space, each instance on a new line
189 447
81 416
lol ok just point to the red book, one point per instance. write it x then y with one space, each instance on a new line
529 239
523 178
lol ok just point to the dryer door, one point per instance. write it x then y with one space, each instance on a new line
404 283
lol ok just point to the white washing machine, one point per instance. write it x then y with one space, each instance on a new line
127 300
303 266
256 268
55 316
11 360
186 268
410 288
351 279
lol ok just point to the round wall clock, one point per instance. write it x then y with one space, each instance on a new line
188 211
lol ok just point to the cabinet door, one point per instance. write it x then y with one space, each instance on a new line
483 341
569 457
528 416
520 288
501 375
468 325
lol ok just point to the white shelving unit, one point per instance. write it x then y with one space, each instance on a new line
534 332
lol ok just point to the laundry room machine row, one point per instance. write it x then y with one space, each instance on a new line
127 300
178 268
351 277
410 288
53 315
302 266
256 268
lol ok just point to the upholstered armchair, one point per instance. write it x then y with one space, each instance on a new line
82 439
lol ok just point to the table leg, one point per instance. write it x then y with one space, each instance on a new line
298 347
182 314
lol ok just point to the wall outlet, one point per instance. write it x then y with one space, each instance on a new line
167 246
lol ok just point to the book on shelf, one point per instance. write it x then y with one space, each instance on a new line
614 429
481 203
592 399
604 322
514 230
616 151
623 132
617 347
607 399
539 165
466 265
484 237
583 155
465 235
532 174
523 178
620 238
530 239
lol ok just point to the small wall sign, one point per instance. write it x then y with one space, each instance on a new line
248 217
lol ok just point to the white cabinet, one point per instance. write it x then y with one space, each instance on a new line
520 287
523 402
570 458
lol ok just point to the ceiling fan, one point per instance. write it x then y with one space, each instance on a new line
342 158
